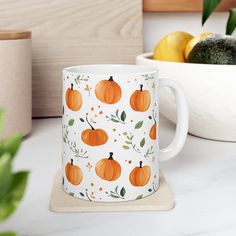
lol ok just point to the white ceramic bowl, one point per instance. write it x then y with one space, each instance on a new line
210 91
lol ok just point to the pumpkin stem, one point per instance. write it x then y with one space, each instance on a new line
89 123
71 86
111 156
154 118
111 78
141 87
140 164
71 162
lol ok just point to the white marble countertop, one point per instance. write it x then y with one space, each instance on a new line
202 178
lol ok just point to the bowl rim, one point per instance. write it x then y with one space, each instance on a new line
146 57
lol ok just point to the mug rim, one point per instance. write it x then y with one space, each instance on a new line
114 69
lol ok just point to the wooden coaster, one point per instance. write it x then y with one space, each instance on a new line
60 201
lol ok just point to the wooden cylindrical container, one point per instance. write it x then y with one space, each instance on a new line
16 81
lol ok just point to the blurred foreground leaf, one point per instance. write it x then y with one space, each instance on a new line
10 145
5 173
8 234
11 199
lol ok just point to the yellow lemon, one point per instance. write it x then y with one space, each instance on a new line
172 47
194 41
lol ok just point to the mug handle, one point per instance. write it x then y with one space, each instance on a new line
182 120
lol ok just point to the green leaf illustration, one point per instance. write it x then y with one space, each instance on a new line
114 196
122 192
81 194
149 152
71 194
139 197
139 125
81 119
142 143
73 145
123 116
63 181
114 120
117 111
125 147
10 201
71 122
128 142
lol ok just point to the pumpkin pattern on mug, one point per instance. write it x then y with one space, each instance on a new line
102 173
140 100
140 176
108 168
73 173
108 91
73 99
153 132
94 137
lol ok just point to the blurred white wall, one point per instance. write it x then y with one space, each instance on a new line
156 25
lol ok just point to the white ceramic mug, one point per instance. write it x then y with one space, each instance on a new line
110 131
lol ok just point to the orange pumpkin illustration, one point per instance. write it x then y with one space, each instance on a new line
140 176
73 99
108 169
108 91
153 131
94 137
140 100
73 173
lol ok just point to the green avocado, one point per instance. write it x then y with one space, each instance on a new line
217 49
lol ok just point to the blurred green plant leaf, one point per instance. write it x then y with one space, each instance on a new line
208 7
231 23
5 173
10 145
10 201
8 234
